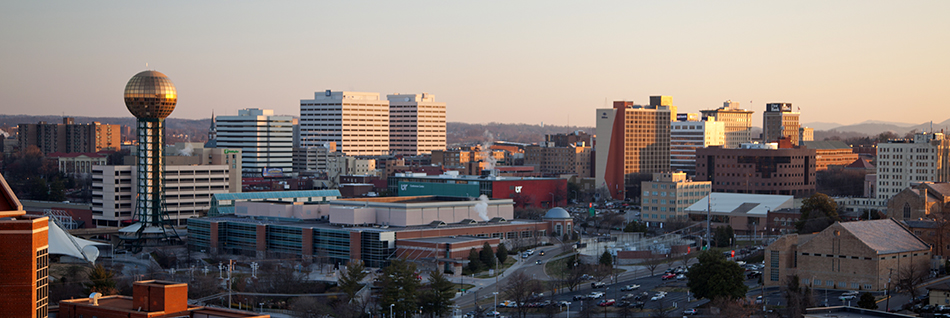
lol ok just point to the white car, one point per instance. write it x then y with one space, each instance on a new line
658 296
595 295
630 287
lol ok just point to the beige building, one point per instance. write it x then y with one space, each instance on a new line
926 200
69 136
416 124
806 134
669 194
779 121
553 161
902 162
859 255
737 122
357 122
76 163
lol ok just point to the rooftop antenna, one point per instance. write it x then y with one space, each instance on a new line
146 65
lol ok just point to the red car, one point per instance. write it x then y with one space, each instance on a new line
668 276
605 303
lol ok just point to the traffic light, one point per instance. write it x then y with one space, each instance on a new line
733 253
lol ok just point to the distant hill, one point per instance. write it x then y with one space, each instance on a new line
872 128
465 133
822 125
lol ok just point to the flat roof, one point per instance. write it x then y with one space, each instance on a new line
276 194
447 239
473 177
742 203
324 224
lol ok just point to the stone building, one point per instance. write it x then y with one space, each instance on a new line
924 200
859 255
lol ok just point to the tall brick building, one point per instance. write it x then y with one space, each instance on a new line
633 141
69 136
24 259
758 169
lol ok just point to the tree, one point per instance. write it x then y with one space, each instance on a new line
399 286
436 300
606 259
101 280
724 236
653 261
520 289
572 272
910 278
350 280
715 277
867 301
487 256
474 262
501 253
797 298
310 307
635 226
818 212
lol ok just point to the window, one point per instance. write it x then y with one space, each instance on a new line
818 282
855 286
829 283
867 286
906 210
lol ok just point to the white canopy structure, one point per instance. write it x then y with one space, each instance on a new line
63 243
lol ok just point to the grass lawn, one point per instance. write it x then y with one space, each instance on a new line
501 269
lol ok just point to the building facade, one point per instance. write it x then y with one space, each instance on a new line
668 195
69 137
737 122
24 259
901 162
631 139
357 122
554 161
265 140
779 121
416 124
830 153
524 191
862 255
687 136
76 163
758 169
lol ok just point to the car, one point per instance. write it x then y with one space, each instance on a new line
530 252
680 277
753 274
668 276
579 297
759 300
597 285
541 253
851 292
637 304
606 302
492 314
629 287
846 297
658 297
691 311
587 277
525 255
563 303
595 295
538 262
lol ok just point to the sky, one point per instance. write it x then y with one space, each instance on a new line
532 62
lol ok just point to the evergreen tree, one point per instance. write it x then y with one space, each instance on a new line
436 301
867 301
818 212
714 277
487 256
399 286
474 263
606 259
101 280
502 253
350 280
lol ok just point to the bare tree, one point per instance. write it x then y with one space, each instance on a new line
659 309
686 258
520 289
910 278
653 261
729 308
587 309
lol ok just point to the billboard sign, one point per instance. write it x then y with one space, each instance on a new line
272 172
447 189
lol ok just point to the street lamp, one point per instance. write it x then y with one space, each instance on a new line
391 310
495 308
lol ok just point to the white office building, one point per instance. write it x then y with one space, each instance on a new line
687 136
903 162
357 122
266 140
416 124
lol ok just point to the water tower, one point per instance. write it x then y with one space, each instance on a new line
150 96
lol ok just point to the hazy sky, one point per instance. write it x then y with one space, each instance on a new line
507 61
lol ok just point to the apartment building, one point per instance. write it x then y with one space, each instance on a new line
357 122
416 124
902 162
758 169
780 121
554 161
632 140
668 194
830 153
24 259
266 140
69 137
687 136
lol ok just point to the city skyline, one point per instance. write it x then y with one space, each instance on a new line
555 63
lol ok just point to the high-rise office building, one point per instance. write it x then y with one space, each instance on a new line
24 259
687 136
668 193
416 124
738 122
779 121
901 162
266 140
69 137
357 122
631 140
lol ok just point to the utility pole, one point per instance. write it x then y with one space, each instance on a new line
708 233
887 290
230 267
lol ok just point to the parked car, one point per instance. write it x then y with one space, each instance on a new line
846 297
579 297
597 285
680 277
637 304
595 295
851 292
753 274
658 297
606 302
691 311
629 287
668 276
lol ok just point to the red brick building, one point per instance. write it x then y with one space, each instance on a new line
758 169
24 259
150 299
